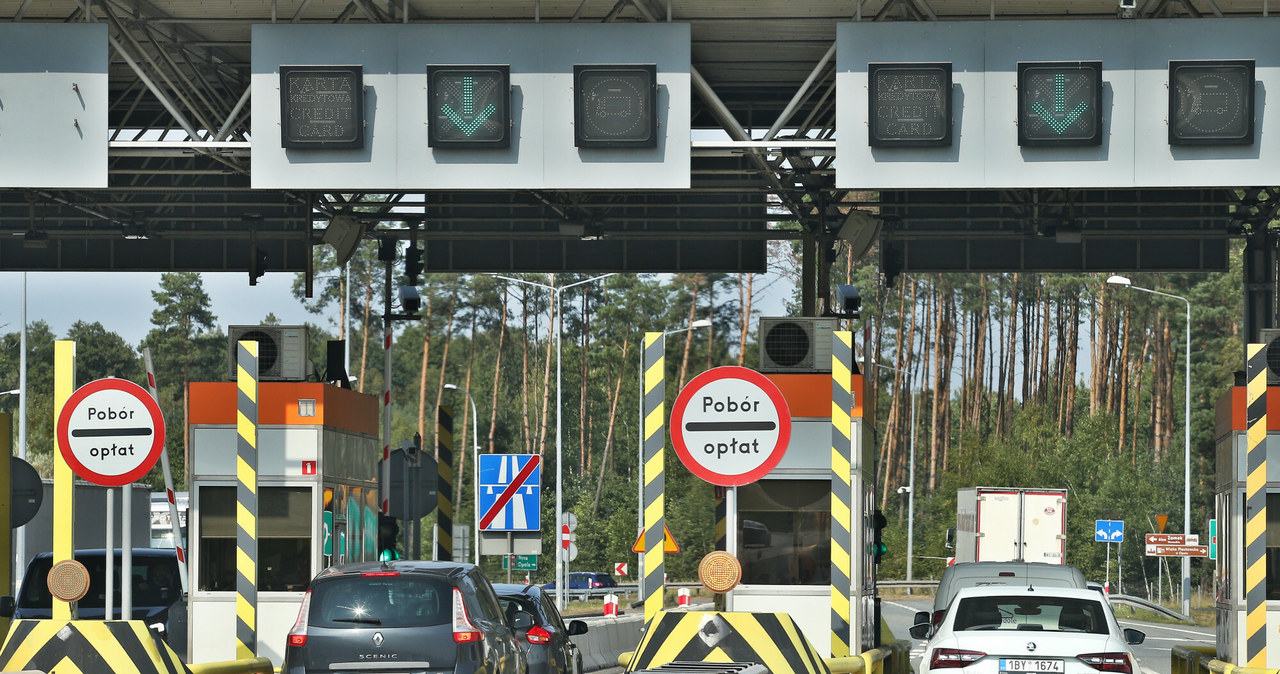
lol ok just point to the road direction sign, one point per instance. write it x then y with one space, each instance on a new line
110 432
1173 539
523 562
1177 551
730 426
510 492
620 569
1108 531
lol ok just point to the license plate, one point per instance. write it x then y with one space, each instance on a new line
1024 665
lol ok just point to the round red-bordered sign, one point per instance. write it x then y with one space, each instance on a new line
730 426
110 432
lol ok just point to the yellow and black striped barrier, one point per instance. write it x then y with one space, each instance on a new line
119 646
772 639
444 493
1255 525
247 499
841 490
654 405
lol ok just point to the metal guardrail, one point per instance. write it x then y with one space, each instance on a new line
894 658
1139 602
1200 660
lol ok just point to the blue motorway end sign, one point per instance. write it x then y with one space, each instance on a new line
1108 531
510 492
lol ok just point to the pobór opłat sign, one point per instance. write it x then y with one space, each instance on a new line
730 426
110 432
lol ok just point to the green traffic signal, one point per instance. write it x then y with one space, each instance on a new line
388 555
878 548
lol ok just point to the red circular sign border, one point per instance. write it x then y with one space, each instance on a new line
765 385
125 386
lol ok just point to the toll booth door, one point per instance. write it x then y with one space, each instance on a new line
999 541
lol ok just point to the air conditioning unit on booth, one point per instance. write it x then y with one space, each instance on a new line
1271 337
282 350
796 345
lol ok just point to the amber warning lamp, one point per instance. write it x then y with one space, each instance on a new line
719 571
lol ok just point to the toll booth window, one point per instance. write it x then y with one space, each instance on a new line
284 539
784 532
1273 546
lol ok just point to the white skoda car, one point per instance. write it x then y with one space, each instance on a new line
1029 630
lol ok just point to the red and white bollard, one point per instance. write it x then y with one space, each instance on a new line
611 606
682 597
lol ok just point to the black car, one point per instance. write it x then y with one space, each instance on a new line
157 591
546 642
404 615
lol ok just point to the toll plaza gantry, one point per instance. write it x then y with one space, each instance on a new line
643 136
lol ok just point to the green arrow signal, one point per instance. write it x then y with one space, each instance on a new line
1058 121
468 126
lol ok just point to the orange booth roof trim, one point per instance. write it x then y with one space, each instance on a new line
215 403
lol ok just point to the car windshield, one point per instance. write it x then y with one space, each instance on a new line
1025 612
155 582
381 601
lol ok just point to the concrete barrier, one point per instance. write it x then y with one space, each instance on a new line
607 638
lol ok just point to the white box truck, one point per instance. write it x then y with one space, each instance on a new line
1011 524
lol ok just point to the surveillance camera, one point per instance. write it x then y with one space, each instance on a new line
1128 4
410 300
904 490
848 300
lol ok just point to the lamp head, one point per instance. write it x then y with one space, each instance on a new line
701 323
451 387
1117 280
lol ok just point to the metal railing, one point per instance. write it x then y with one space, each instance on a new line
894 658
1200 660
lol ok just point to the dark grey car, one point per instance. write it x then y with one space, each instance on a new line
546 643
404 616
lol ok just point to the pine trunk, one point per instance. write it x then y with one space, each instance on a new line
613 417
497 376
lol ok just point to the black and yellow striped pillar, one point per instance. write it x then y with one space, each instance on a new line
1255 524
841 491
247 499
444 498
654 410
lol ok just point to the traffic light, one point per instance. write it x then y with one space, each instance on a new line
878 547
388 531
257 265
469 106
412 264
1060 103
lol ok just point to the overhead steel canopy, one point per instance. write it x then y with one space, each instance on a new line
763 78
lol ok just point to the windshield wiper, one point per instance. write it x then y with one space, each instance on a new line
365 621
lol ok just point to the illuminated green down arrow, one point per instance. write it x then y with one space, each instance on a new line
1059 121
468 121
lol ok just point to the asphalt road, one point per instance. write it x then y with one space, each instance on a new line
1153 653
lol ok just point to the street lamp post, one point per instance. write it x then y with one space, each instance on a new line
558 291
1186 431
475 468
700 323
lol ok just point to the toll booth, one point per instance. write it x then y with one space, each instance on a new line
1231 454
318 452
780 526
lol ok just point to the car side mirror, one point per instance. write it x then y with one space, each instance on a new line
577 627
7 606
522 620
1134 637
920 631
921 617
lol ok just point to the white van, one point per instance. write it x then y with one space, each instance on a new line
978 574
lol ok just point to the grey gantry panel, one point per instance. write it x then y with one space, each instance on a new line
1058 231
